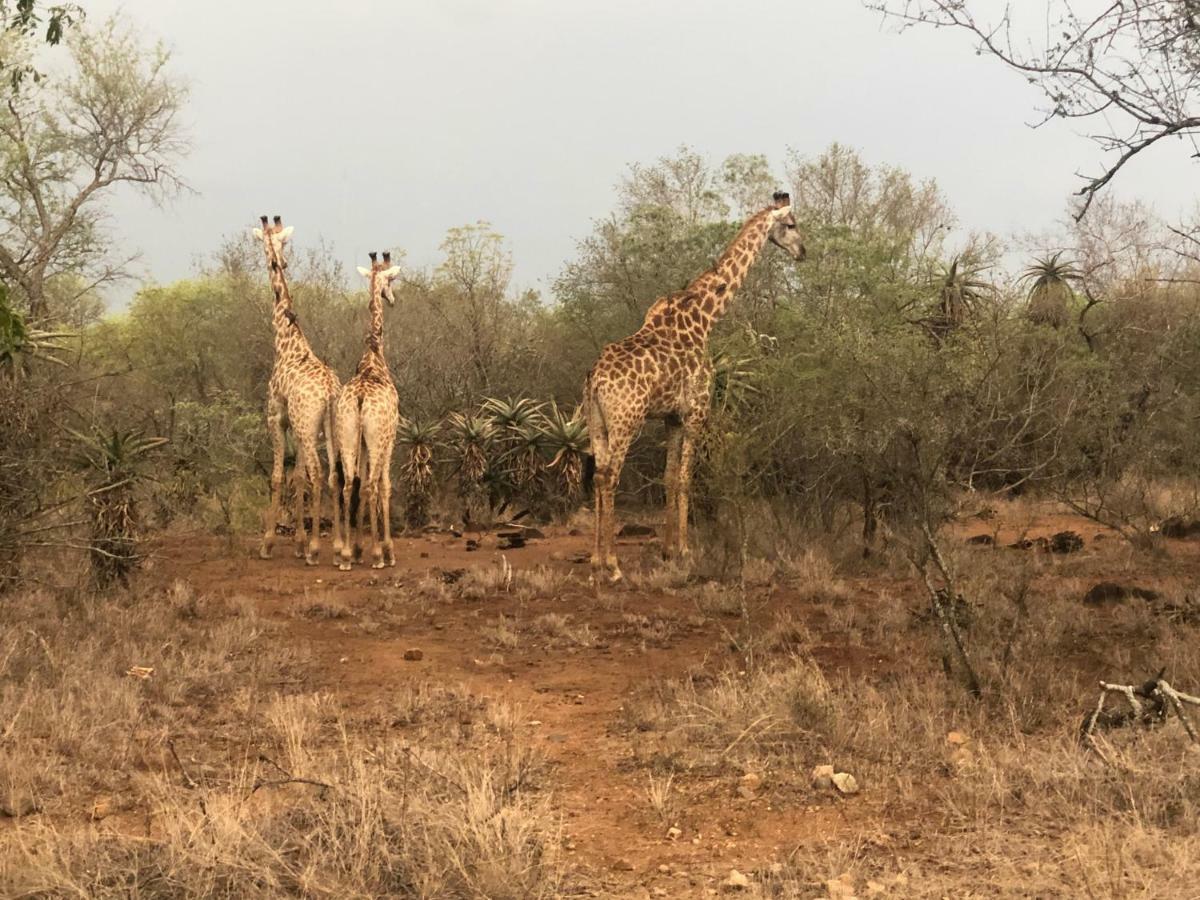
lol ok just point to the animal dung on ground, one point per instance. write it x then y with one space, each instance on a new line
1112 592
413 654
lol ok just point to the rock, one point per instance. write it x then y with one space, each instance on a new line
424 554
736 881
845 783
822 777
841 888
510 542
659 892
413 654
623 865
1065 542
633 529
981 540
673 833
574 532
957 738
1112 592
1031 544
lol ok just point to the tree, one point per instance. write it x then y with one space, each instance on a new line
1130 69
65 144
23 21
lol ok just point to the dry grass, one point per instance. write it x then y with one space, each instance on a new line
205 779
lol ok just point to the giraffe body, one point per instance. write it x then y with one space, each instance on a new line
300 397
367 415
663 371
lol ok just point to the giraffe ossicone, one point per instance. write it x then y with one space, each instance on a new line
663 371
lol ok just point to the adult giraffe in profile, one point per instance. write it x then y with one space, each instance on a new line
300 396
663 371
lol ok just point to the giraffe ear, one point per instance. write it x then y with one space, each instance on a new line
391 273
365 273
257 233
286 233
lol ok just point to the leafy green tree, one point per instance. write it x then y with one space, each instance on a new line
66 143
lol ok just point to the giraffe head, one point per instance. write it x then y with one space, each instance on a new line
381 275
784 233
273 238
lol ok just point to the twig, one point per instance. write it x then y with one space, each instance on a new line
746 731
278 781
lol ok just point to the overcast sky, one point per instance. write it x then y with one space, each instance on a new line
376 124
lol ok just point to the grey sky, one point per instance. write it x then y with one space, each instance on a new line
374 124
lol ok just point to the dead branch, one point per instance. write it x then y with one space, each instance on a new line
1149 704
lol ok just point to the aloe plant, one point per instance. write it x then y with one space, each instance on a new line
1049 279
418 439
566 437
112 461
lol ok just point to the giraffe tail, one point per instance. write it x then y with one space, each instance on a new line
592 411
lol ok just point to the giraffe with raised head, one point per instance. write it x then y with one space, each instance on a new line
300 397
663 371
368 412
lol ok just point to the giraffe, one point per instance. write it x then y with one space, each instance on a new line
300 396
663 371
368 412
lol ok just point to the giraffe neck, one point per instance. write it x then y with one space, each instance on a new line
713 289
289 339
375 329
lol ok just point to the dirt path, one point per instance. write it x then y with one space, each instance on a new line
570 697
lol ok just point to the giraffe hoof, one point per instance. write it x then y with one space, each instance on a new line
312 561
264 554
344 567
378 564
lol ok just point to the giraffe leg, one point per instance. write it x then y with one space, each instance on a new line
686 453
609 479
375 518
349 457
385 503
335 493
299 479
670 546
312 467
275 424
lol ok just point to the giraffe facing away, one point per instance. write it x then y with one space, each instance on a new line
300 396
368 412
663 371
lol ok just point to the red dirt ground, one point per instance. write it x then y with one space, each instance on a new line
571 698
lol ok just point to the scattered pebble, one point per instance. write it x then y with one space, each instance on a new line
736 881
845 783
822 777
